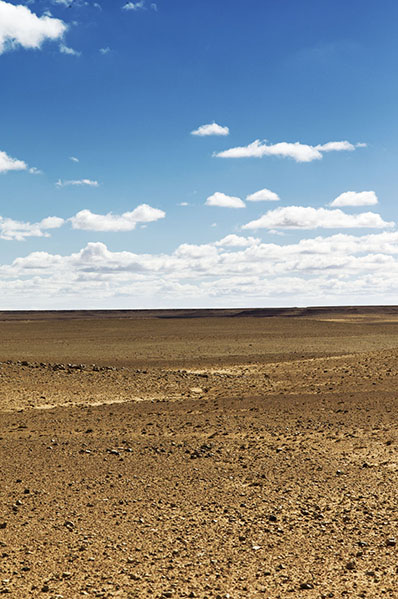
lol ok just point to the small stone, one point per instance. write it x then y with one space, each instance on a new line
306 586
350 565
391 542
3 525
45 588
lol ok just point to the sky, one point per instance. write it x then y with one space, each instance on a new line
182 154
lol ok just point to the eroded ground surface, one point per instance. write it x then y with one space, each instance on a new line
217 458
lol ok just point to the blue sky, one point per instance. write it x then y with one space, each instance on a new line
134 136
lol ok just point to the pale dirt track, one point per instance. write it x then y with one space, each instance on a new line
260 461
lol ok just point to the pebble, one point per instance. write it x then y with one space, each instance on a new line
306 586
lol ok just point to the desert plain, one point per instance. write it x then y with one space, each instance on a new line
230 454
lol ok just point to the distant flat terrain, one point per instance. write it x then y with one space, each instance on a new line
210 454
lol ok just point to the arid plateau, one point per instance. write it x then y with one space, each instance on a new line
212 454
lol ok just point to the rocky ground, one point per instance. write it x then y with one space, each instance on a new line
256 464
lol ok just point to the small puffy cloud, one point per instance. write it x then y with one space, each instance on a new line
18 231
77 182
223 201
104 51
73 158
298 151
35 171
263 195
134 5
19 26
88 221
356 198
70 51
336 146
210 129
183 204
233 240
11 164
301 217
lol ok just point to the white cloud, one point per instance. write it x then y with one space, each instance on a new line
73 158
19 26
223 201
104 51
183 204
70 51
356 198
337 146
301 217
298 151
338 269
233 240
18 231
77 182
263 195
210 129
134 5
88 221
35 171
11 164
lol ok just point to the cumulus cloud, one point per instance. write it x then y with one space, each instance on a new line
223 201
18 231
35 171
19 26
263 195
298 151
11 164
64 49
133 5
77 182
233 240
210 129
89 221
301 217
339 268
104 51
356 198
73 158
